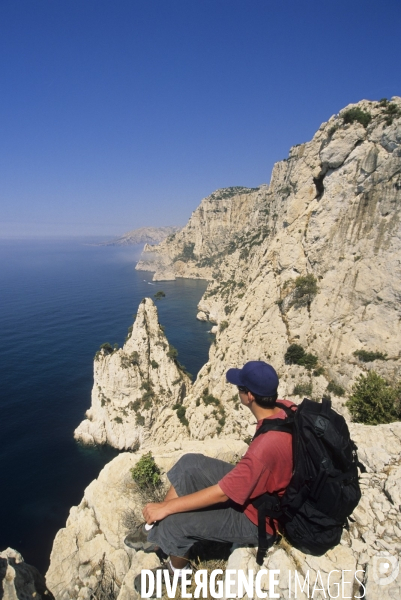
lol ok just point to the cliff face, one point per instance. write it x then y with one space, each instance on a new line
210 234
332 213
135 389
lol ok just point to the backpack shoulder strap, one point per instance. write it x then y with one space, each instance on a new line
283 425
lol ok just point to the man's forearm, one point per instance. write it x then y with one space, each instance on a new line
202 499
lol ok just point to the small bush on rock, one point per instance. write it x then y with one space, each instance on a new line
302 389
306 286
172 352
366 356
223 325
374 401
357 114
181 411
296 355
146 472
335 389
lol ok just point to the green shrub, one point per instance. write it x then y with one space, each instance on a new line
159 295
154 364
140 419
147 386
129 333
135 405
335 389
209 399
392 112
223 325
107 348
374 401
309 361
357 114
118 420
135 357
172 352
296 355
366 356
149 395
146 472
181 410
306 286
318 371
302 389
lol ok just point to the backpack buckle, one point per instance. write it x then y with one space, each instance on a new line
320 426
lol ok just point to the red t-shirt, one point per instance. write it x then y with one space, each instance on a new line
266 467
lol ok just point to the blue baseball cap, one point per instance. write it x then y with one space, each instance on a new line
256 375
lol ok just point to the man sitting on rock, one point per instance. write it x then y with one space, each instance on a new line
210 499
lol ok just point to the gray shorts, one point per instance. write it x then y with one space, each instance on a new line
221 523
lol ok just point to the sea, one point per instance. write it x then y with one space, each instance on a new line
59 301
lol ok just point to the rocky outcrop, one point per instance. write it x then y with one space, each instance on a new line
331 213
96 528
19 581
135 389
143 235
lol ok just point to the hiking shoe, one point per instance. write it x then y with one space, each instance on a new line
138 540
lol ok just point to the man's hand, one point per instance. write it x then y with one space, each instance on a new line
208 497
155 511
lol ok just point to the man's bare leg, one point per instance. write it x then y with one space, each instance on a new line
179 562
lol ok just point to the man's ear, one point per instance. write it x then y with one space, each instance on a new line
251 397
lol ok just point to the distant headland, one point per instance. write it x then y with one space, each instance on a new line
143 235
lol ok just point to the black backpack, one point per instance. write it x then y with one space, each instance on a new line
324 488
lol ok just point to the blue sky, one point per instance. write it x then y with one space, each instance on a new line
125 113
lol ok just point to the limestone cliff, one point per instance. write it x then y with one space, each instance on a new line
135 389
330 213
96 528
209 236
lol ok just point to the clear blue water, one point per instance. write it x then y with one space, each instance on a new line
59 301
